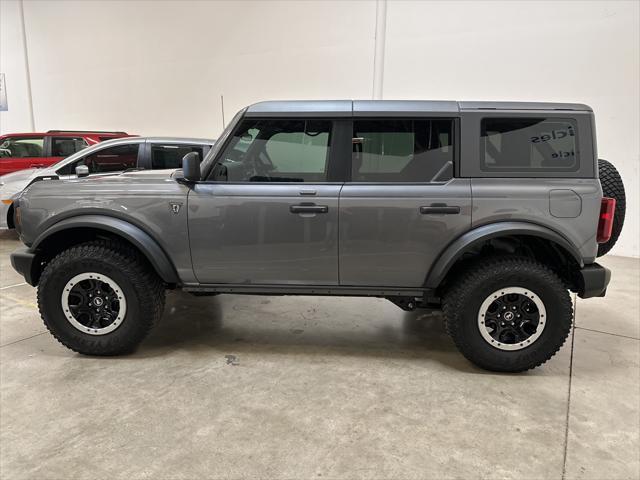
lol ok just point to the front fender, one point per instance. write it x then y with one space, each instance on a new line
475 237
121 228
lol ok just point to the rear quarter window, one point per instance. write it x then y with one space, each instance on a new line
529 145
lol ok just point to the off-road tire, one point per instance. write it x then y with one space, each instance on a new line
462 301
143 290
612 187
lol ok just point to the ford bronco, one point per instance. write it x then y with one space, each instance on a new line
490 211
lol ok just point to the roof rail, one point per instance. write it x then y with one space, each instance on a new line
85 131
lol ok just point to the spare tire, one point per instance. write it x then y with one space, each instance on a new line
612 187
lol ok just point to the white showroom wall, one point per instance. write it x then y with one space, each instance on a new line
13 65
161 67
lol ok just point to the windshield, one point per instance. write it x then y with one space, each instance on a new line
207 163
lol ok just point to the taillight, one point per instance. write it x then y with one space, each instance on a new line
605 223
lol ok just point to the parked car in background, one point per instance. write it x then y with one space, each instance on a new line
37 150
106 158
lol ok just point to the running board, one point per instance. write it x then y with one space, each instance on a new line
347 291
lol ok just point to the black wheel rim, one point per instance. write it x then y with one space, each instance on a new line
511 318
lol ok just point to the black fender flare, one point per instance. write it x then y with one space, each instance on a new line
138 237
478 235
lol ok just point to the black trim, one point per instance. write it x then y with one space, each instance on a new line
22 261
593 280
144 156
467 241
142 240
440 210
307 290
457 146
340 151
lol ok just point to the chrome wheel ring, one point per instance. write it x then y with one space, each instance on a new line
512 318
93 303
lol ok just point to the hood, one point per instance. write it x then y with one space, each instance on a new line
20 175
15 182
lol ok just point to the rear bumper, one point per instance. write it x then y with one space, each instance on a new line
22 261
593 280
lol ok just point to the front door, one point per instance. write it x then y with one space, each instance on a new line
19 153
403 205
267 214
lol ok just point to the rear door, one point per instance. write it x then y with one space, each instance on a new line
62 147
403 204
268 214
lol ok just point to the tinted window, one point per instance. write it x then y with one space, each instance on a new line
276 151
65 146
528 144
419 150
21 147
112 159
170 156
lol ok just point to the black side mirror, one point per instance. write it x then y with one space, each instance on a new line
191 167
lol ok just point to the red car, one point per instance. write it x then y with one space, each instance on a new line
31 150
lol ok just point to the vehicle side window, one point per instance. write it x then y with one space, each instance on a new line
65 146
170 156
112 159
22 147
402 150
271 150
528 144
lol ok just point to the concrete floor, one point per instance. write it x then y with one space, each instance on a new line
285 387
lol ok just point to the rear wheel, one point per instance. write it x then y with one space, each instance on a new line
508 314
100 298
612 187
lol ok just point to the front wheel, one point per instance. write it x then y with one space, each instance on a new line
100 298
508 314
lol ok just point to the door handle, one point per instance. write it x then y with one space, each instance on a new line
308 208
440 209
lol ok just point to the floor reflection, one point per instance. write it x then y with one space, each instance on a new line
311 325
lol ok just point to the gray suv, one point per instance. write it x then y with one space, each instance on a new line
491 212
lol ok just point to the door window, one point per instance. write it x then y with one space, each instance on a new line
395 150
22 147
276 151
170 156
112 159
65 146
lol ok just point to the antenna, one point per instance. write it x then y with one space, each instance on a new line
222 107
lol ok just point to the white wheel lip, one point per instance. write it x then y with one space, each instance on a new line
515 346
64 299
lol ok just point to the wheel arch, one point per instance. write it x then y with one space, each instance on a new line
478 237
74 230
